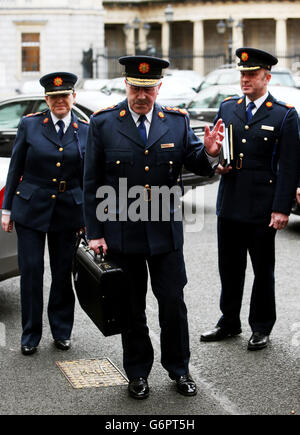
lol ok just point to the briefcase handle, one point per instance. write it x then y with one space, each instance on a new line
82 236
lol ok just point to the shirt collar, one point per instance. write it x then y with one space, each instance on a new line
136 116
259 100
66 119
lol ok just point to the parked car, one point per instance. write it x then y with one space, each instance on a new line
206 104
230 76
189 77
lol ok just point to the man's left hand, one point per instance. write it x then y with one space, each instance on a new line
213 139
278 221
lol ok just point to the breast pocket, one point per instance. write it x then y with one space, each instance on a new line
170 161
266 138
118 162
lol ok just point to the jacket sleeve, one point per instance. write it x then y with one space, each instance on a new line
195 157
16 166
94 170
288 167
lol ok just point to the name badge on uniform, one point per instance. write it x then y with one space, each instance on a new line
267 127
167 145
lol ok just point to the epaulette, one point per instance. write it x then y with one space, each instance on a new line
232 97
29 115
83 121
174 110
105 109
282 103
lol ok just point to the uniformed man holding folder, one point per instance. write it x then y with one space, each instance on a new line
255 196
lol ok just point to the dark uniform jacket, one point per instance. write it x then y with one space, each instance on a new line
115 150
44 183
267 149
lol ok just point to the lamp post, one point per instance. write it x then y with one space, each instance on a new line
169 15
221 28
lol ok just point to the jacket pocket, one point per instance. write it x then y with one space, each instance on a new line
25 190
117 161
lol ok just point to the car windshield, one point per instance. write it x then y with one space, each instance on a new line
222 77
11 113
211 98
281 78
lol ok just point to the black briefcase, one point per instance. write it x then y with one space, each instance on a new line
98 283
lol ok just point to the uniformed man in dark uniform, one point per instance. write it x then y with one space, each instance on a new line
255 196
43 196
145 145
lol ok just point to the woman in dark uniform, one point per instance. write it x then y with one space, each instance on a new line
43 197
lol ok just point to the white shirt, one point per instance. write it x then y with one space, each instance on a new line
66 119
67 122
257 102
147 121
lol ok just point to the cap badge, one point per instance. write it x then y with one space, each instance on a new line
269 104
161 115
144 67
122 113
244 56
46 120
58 81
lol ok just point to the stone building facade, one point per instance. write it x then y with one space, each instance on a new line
191 37
86 36
39 36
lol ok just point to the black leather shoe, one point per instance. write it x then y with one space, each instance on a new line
218 334
62 344
138 388
28 350
258 341
186 385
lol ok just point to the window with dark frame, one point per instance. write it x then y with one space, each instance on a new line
30 52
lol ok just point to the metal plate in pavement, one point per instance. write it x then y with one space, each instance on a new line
87 373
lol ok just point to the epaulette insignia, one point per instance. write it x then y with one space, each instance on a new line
226 99
83 120
240 100
290 106
175 110
33 114
269 104
104 109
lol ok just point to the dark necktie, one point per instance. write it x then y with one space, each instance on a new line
61 125
250 107
142 128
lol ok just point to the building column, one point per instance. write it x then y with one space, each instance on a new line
129 41
198 47
281 41
165 40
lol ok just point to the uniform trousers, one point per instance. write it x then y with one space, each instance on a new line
31 248
168 278
235 240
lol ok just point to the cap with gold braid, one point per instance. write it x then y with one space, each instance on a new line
252 59
58 83
144 71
